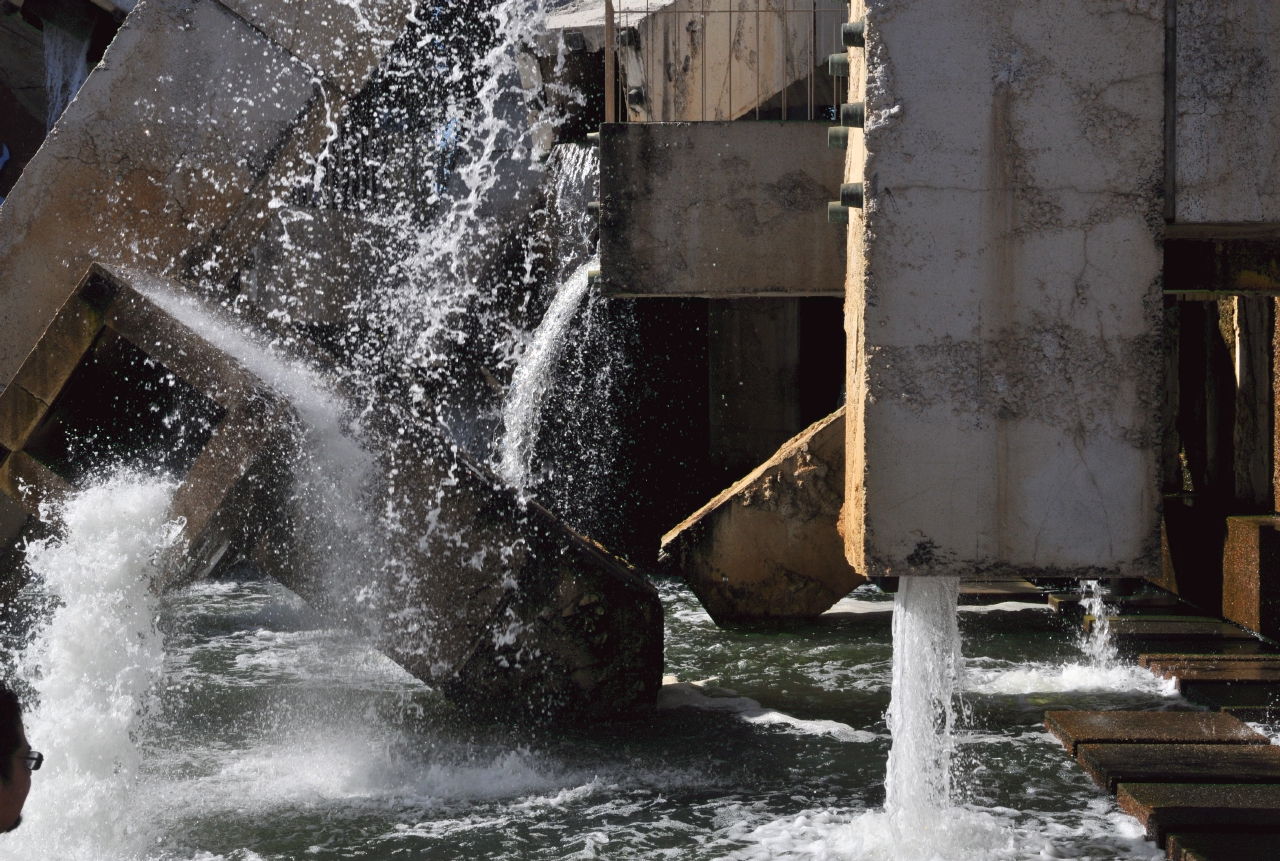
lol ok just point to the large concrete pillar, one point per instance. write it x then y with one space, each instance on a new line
1003 300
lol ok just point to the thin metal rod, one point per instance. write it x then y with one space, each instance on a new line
610 110
786 53
730 114
704 60
757 59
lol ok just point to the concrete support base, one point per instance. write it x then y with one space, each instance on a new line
768 547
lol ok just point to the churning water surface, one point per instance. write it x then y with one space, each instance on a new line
228 721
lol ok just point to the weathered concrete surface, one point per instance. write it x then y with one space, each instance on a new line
1204 808
1111 764
768 547
708 60
1003 299
1228 109
1250 570
710 209
169 156
1074 728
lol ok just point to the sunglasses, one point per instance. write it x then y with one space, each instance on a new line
33 761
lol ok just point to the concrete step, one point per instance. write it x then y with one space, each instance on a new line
1223 847
977 592
1162 627
1163 604
1111 764
1074 728
1164 808
1151 659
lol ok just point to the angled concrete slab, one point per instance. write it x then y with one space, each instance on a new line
1074 728
769 547
1200 808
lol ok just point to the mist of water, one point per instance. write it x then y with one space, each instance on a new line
93 664
65 69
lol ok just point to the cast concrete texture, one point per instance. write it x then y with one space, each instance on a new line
1111 764
706 60
1250 560
1198 808
718 210
168 158
1075 728
1004 296
768 547
1228 108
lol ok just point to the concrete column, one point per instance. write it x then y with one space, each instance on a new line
754 375
1005 316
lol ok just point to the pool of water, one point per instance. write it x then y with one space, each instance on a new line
271 735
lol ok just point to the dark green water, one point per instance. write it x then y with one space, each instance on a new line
273 737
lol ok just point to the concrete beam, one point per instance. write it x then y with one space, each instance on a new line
168 158
1004 309
710 209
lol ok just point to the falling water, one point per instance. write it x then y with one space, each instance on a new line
93 664
65 68
927 665
522 412
1098 645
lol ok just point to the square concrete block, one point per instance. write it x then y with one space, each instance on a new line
146 391
709 209
1251 574
1224 847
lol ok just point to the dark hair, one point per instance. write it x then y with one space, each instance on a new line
10 732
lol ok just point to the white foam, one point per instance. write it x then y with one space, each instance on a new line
706 696
92 667
987 676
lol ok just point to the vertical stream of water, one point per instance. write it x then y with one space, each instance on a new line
65 68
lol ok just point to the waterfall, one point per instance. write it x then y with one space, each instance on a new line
65 68
92 665
927 665
522 411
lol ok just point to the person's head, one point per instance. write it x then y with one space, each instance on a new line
15 770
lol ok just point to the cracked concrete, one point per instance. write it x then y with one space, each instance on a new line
1003 301
1228 134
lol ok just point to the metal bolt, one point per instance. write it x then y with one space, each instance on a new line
593 139
854 34
853 114
838 137
593 209
851 195
838 65
837 213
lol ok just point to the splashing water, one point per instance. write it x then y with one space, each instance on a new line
522 412
65 69
93 664
1097 644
